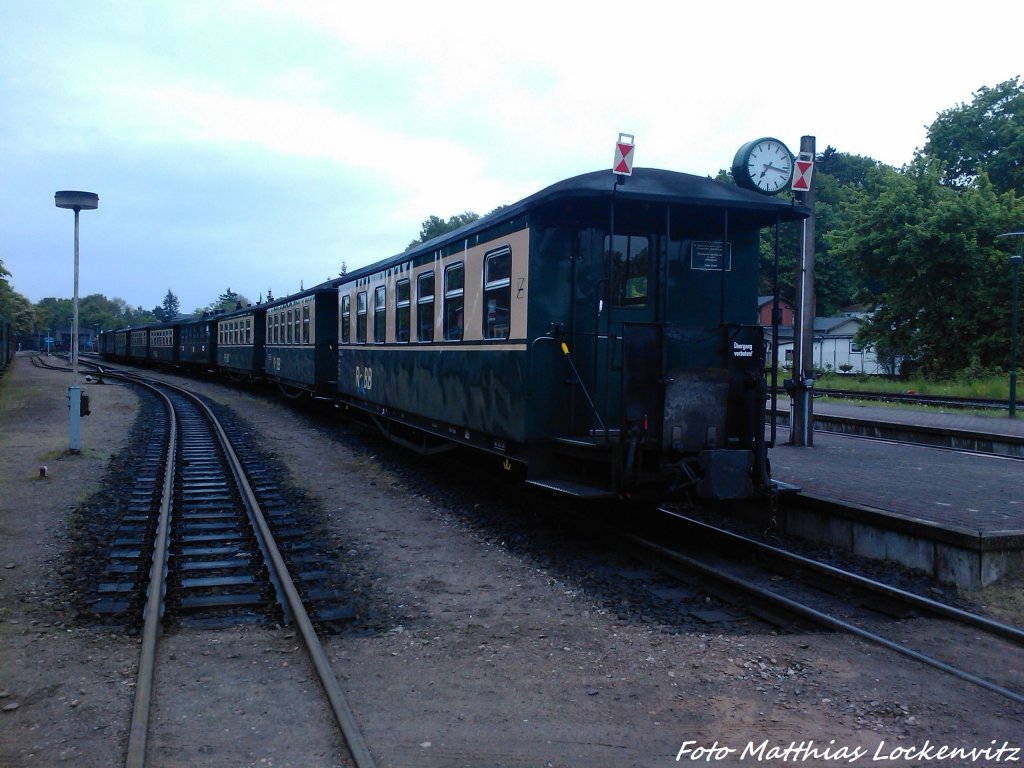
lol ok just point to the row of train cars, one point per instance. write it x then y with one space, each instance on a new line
594 335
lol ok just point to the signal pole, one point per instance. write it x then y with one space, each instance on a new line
801 429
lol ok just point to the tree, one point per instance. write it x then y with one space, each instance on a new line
987 134
53 314
837 176
935 279
17 309
228 301
435 227
169 309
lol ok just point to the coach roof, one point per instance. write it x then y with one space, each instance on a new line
653 185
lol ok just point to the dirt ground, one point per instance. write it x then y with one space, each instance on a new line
482 655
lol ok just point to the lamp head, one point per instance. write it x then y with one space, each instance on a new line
78 201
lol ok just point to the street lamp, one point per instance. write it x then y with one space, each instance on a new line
76 201
1015 261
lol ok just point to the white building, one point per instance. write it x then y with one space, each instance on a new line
834 346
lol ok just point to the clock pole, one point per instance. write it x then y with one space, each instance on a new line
801 431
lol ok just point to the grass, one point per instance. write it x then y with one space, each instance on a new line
991 387
1004 600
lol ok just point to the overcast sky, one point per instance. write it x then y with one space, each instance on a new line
257 145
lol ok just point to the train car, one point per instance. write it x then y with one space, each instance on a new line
241 339
105 344
597 333
137 344
164 342
122 337
301 339
197 342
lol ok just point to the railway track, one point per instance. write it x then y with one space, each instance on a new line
208 537
798 590
785 588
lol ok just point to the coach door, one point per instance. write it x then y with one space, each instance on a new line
630 357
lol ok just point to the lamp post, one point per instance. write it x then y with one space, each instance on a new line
1015 261
76 201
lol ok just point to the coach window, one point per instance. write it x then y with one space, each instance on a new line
454 301
305 323
361 317
402 311
248 330
497 293
379 324
425 307
629 257
346 319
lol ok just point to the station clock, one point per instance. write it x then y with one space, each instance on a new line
764 165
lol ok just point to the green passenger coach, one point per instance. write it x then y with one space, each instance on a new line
598 334
300 340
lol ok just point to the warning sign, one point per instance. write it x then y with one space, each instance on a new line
623 163
802 175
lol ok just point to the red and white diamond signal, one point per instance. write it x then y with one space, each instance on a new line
802 177
623 163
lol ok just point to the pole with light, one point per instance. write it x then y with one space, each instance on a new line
76 201
1015 261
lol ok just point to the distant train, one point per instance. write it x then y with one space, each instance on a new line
6 342
596 333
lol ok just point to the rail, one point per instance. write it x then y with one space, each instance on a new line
153 614
770 597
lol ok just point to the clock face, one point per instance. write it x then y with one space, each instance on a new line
764 165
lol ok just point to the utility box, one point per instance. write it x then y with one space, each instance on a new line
83 401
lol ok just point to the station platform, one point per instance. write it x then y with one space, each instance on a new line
958 514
